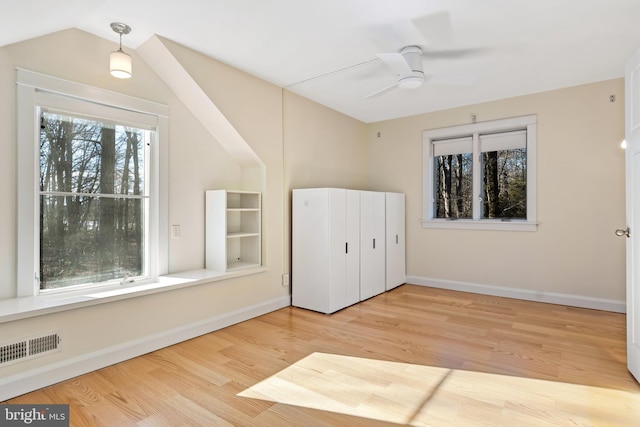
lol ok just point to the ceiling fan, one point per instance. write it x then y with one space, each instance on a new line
435 31
407 66
432 31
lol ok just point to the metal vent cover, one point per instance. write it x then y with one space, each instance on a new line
29 347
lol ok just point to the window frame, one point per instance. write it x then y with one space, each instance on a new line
35 89
474 130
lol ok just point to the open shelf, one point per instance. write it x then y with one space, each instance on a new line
234 224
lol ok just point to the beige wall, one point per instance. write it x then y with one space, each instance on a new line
580 197
8 172
323 148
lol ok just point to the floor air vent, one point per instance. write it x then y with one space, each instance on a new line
29 348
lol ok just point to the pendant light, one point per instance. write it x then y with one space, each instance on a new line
119 61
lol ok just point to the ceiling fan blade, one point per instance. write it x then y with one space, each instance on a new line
436 28
452 53
396 62
382 91
458 79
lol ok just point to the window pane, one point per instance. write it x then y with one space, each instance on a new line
505 184
453 186
80 155
90 240
92 199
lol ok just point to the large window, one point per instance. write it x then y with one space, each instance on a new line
90 205
481 175
93 200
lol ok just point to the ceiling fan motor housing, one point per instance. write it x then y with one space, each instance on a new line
413 57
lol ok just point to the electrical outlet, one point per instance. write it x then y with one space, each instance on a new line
175 232
285 279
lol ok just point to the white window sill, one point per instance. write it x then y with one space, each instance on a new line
464 224
25 307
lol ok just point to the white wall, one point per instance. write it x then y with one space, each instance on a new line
580 198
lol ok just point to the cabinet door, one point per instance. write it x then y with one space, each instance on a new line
395 229
337 266
311 261
352 247
372 244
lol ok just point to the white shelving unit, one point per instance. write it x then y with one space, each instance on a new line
233 230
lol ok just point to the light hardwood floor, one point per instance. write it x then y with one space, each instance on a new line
412 356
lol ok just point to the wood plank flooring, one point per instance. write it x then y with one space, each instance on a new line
412 356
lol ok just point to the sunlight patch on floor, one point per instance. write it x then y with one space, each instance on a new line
419 395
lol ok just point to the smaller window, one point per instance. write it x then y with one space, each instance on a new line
481 175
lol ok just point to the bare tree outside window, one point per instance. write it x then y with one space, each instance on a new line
453 186
92 201
505 184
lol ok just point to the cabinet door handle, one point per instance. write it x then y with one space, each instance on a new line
346 247
396 239
374 243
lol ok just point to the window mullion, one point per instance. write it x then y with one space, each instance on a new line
477 178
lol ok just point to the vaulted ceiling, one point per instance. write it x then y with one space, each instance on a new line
473 51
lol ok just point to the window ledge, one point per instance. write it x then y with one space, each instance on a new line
25 307
462 224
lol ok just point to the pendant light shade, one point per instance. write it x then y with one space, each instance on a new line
120 64
119 61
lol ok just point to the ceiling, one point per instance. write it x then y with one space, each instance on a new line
326 50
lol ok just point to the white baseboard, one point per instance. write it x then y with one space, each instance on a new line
24 382
523 294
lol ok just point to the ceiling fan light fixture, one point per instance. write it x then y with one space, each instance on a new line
119 61
411 82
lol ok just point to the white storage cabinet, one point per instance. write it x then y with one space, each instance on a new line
325 248
233 230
